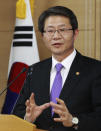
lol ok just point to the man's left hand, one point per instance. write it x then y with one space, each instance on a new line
63 112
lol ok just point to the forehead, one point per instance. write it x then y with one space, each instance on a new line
54 21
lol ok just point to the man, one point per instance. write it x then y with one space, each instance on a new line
78 104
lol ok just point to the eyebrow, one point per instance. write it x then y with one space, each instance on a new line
51 26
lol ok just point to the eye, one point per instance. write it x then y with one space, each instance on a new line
50 31
62 30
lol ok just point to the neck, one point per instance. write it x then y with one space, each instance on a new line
60 57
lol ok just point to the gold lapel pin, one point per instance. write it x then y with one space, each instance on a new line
77 73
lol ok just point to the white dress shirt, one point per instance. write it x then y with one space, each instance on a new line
67 62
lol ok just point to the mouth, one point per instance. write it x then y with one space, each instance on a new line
57 44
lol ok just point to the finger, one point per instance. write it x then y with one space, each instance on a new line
27 103
32 101
56 106
44 106
53 104
61 102
27 109
59 112
58 119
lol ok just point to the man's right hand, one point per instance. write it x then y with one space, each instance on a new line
32 110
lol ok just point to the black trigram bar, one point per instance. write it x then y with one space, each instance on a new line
22 43
23 28
23 36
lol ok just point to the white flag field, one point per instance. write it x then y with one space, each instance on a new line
24 52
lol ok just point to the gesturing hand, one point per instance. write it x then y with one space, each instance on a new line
32 110
62 111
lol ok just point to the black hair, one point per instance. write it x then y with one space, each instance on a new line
54 11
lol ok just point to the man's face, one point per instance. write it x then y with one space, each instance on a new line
59 36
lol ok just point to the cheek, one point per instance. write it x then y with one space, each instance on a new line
46 42
69 40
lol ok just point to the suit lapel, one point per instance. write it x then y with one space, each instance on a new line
45 90
72 78
45 70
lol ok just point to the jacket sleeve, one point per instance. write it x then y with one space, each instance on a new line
91 121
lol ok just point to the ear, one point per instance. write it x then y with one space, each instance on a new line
76 32
43 38
41 34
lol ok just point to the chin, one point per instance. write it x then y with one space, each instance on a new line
57 53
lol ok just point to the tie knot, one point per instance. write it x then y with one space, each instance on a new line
59 67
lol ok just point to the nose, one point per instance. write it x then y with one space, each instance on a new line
56 35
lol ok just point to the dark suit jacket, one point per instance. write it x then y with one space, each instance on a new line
81 94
